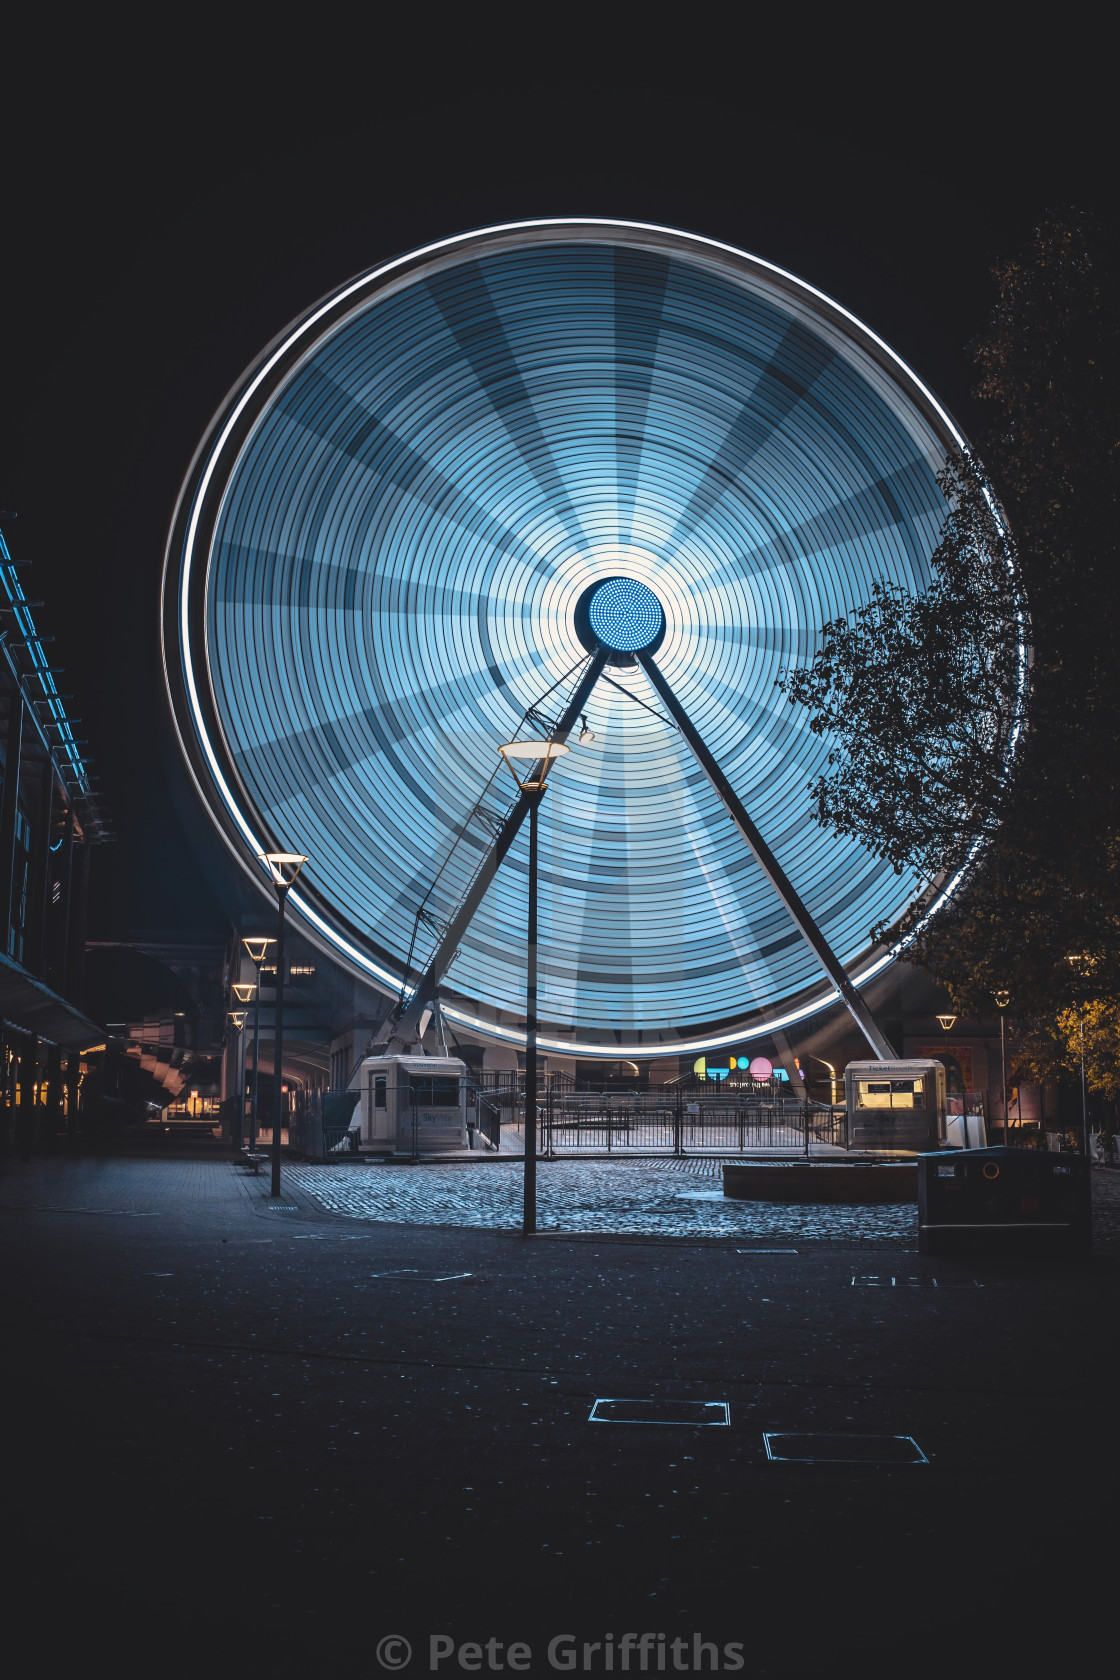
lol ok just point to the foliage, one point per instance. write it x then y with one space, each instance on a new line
920 694
1047 880
1050 1050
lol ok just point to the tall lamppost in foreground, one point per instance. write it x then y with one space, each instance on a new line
284 867
1002 1001
537 757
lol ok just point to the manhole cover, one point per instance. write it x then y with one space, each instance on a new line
783 1448
692 1414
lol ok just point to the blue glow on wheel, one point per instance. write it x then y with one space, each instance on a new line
625 615
373 571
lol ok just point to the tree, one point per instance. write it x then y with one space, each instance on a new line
1044 880
1050 1050
922 695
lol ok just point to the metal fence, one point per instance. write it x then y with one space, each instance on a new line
677 1119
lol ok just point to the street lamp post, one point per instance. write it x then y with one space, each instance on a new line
540 755
236 1019
1002 1001
284 868
529 1223
244 992
947 1023
1079 962
256 947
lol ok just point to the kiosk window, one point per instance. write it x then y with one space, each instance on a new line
431 1091
379 1091
891 1093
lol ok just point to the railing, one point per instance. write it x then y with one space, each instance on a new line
339 1139
676 1119
485 1114
689 1116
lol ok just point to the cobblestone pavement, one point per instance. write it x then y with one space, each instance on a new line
670 1197
647 1198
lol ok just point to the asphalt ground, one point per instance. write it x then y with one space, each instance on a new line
236 1438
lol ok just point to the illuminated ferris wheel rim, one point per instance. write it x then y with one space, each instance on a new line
189 558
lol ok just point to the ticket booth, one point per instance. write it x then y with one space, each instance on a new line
895 1107
412 1104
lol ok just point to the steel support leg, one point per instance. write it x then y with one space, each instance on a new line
402 1029
772 869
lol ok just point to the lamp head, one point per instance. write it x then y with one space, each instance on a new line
532 753
237 1019
256 947
1002 999
947 1022
243 989
284 867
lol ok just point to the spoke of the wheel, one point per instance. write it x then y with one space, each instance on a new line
403 1030
773 870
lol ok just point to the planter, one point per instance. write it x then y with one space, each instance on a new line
822 1181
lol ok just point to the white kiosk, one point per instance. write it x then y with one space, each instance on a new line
412 1105
896 1107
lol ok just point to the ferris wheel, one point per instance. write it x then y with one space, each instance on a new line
565 479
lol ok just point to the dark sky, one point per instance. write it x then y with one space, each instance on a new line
173 200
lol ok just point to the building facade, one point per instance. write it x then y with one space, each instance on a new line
50 821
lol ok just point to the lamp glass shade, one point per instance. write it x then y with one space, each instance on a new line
243 989
284 866
1002 999
533 750
947 1022
256 947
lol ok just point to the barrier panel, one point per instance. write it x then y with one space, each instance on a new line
685 1117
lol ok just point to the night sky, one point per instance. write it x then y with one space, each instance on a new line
171 202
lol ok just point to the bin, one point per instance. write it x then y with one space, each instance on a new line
1003 1201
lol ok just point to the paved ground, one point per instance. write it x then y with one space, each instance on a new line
262 1442
638 1198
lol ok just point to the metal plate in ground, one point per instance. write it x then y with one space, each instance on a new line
890 1280
410 1275
788 1448
687 1414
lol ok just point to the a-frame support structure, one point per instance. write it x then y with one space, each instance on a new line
402 1028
